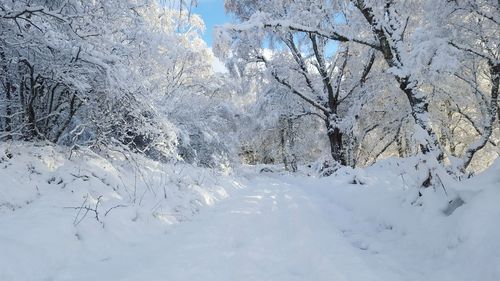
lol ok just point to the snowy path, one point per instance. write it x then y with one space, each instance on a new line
272 231
278 228
267 233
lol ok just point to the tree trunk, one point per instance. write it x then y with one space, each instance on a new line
73 107
291 138
8 98
283 142
420 112
50 107
8 110
490 121
287 140
392 55
29 110
335 138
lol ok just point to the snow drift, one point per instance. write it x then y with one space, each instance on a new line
81 216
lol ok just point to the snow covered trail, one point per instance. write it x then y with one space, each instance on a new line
277 228
273 230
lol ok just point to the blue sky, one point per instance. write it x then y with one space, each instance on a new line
212 12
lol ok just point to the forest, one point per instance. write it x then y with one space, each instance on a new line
365 131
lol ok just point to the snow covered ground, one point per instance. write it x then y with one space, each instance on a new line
358 225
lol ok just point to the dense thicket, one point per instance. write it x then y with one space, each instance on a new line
97 73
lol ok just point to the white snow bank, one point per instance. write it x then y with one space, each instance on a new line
451 232
59 208
358 225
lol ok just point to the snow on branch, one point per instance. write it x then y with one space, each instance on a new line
259 21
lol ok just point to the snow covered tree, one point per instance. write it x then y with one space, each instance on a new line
477 26
302 64
413 40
